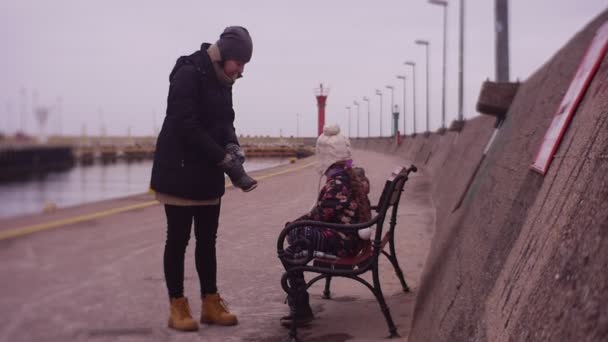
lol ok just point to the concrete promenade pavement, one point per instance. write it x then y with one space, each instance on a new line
101 278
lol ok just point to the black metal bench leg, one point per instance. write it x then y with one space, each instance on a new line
401 279
290 284
326 292
392 329
293 332
395 262
293 328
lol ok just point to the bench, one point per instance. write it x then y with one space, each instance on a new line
328 266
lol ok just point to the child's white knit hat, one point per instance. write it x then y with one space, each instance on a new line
331 147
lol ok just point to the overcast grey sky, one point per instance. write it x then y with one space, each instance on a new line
109 60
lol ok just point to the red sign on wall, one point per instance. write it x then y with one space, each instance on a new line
574 95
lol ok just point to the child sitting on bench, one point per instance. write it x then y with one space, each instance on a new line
343 199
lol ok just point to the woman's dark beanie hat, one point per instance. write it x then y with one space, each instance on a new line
235 43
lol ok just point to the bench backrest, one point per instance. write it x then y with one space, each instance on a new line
390 197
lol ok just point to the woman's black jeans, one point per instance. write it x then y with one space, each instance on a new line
179 223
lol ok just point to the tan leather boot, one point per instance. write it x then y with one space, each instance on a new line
214 311
181 316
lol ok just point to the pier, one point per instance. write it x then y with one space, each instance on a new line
95 271
19 160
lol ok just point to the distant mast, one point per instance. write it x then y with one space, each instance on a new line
321 95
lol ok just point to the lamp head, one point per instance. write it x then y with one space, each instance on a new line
438 2
422 42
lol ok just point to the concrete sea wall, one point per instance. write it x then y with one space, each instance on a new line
525 256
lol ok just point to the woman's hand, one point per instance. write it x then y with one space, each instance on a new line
236 152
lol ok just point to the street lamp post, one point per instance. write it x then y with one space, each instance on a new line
426 44
413 65
348 107
461 64
379 93
392 89
444 4
366 99
358 121
297 125
501 8
392 95
402 77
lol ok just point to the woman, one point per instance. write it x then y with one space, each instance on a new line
343 199
196 145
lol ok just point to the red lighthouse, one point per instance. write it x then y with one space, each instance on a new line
321 95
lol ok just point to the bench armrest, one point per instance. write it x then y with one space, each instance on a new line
348 228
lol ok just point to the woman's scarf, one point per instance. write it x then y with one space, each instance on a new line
216 58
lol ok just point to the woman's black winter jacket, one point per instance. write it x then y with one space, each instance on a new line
197 127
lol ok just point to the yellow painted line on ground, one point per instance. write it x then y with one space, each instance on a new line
286 171
13 233
229 185
22 231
